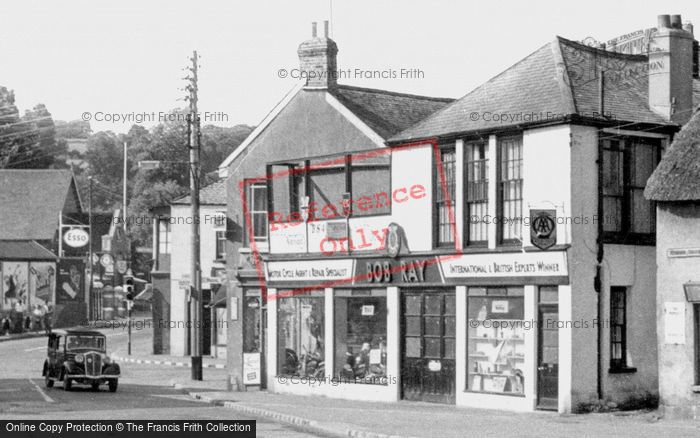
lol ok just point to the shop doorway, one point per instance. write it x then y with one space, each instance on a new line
428 347
548 350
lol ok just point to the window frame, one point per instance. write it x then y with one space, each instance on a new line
696 335
165 243
500 198
627 148
437 197
220 239
252 186
619 365
468 183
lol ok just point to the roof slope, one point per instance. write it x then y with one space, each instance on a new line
213 194
31 201
24 250
387 112
677 177
559 79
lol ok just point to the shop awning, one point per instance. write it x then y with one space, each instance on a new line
218 294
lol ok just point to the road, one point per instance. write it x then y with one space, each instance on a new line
144 392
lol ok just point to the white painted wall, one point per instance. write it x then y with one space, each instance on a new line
181 268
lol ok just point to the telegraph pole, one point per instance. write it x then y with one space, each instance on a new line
91 300
196 275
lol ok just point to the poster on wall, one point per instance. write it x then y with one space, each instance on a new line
674 322
71 283
42 283
15 285
251 368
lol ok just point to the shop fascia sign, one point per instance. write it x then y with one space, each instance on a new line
404 270
526 264
309 270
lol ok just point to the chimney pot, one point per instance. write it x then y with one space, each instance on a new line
664 21
688 27
325 28
313 30
676 22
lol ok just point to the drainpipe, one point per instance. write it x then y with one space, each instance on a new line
598 281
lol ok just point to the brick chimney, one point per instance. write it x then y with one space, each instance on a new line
317 59
671 69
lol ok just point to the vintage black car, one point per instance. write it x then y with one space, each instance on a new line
79 356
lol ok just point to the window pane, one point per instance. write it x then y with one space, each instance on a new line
444 196
496 350
360 339
412 347
510 155
300 336
370 179
432 347
433 326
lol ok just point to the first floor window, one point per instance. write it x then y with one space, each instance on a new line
495 341
444 198
476 192
220 245
510 188
360 336
163 236
618 327
257 205
300 336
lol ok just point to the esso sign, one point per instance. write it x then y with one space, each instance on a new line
76 237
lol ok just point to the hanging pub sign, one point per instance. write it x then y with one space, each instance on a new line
543 228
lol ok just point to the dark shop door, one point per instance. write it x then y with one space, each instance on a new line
428 347
548 358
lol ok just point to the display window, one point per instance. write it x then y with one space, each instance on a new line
360 336
496 346
300 336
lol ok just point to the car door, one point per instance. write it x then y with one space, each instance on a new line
52 353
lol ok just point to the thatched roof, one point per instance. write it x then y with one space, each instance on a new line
677 178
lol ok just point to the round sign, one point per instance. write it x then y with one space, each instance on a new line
106 260
76 237
393 241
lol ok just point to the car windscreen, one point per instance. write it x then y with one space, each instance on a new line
83 342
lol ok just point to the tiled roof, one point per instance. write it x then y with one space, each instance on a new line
213 194
31 201
24 250
677 177
559 79
387 112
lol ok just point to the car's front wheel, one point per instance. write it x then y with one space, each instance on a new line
113 383
48 381
67 383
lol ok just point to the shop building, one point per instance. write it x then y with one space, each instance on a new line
675 187
319 116
500 254
171 274
39 262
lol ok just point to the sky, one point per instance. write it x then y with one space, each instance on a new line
127 57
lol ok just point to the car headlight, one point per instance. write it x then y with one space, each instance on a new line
105 358
79 358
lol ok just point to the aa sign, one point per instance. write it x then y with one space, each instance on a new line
543 228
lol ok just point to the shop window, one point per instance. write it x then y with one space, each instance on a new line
510 189
627 165
300 336
618 328
476 192
496 348
444 199
360 336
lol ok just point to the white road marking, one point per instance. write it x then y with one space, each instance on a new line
41 391
36 348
